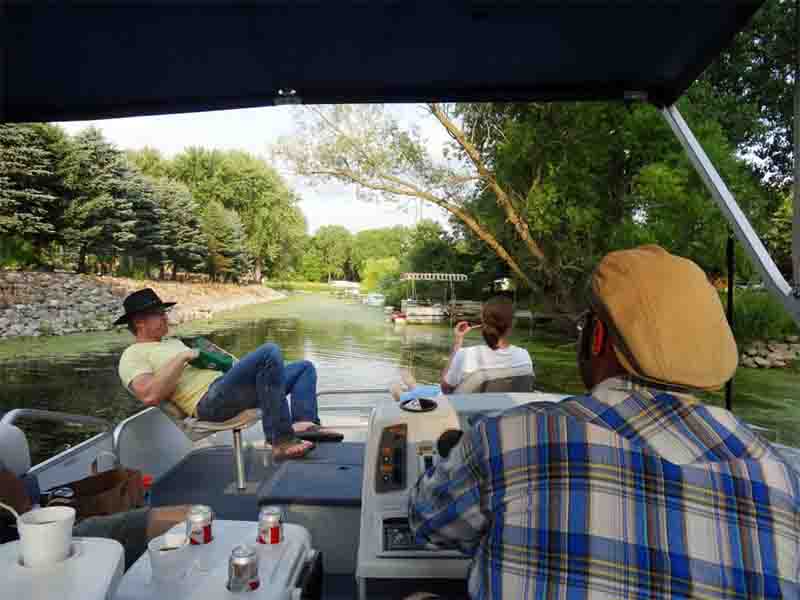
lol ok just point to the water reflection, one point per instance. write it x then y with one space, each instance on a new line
352 346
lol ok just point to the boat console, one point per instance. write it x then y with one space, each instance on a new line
401 445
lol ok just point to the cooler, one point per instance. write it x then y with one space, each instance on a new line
92 572
289 571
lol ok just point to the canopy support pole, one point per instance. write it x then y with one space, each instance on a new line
796 157
730 250
774 281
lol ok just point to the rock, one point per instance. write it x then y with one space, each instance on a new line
749 362
792 339
751 351
762 362
778 364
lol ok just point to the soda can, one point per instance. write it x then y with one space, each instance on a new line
270 527
200 519
243 570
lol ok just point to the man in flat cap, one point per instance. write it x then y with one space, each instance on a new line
157 368
635 490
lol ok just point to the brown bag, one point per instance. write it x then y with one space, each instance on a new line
109 492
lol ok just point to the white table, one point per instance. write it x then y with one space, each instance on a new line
92 572
279 567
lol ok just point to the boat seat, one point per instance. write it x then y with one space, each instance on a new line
519 379
14 450
15 455
196 430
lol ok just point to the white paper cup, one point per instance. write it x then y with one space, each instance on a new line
169 566
45 535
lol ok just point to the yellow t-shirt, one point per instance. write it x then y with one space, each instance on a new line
149 357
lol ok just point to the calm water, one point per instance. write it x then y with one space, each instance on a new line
352 346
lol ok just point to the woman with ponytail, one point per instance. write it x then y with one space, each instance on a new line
497 317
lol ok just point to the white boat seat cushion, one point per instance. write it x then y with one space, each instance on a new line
15 455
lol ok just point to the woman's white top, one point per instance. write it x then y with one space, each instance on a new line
482 358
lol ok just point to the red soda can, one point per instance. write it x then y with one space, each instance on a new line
270 528
200 519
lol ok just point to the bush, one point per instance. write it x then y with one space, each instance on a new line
306 286
757 315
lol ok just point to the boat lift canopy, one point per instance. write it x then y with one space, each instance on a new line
86 60
452 277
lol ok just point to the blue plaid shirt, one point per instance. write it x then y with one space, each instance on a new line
626 493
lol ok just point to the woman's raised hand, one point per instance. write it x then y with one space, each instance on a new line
463 328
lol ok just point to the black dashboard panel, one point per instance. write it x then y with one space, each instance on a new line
390 472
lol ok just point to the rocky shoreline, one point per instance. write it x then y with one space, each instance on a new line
771 354
36 304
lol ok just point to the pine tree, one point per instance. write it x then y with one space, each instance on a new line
100 219
27 172
183 240
150 243
227 258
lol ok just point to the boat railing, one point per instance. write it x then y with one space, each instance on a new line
54 416
74 462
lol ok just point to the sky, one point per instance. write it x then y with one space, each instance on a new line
254 130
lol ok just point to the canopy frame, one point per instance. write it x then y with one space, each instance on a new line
773 279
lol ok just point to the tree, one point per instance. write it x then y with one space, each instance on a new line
100 218
333 243
184 242
377 270
249 186
779 235
30 199
365 145
202 171
150 162
753 89
151 239
377 243
226 257
603 176
311 267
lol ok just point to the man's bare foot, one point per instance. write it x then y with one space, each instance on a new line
291 448
396 389
408 379
302 426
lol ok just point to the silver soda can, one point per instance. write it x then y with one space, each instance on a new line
200 519
270 528
243 570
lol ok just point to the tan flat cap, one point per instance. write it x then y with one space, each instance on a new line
666 320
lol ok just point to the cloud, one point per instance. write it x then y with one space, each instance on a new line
254 130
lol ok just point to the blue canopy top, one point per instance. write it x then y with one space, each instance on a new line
80 60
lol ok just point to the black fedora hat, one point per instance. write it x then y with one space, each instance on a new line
141 301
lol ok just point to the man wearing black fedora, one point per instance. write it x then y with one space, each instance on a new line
157 369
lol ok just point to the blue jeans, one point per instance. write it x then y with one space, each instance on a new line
262 380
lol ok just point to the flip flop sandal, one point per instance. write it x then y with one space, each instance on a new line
291 449
319 434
